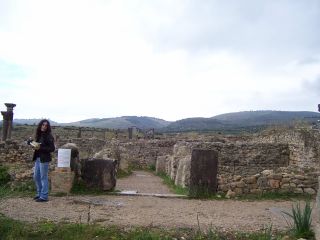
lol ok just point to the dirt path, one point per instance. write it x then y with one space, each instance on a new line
151 211
142 182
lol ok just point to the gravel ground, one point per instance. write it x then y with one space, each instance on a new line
151 211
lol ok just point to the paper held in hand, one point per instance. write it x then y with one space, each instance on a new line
64 157
35 144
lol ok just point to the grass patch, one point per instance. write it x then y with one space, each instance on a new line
124 173
170 183
4 175
20 189
12 229
79 188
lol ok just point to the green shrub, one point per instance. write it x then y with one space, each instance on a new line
4 175
302 219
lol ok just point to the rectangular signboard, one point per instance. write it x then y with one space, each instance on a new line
64 157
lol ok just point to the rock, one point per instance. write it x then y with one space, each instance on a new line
230 194
267 172
310 191
256 191
274 183
183 172
298 190
161 164
237 178
203 173
250 180
99 173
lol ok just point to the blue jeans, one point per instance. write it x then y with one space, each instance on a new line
40 177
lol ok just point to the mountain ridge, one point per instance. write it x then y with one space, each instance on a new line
242 119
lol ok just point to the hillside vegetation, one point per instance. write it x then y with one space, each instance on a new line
238 121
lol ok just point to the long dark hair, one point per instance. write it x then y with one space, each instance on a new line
38 132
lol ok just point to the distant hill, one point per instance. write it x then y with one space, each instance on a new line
114 123
32 121
237 121
121 122
242 120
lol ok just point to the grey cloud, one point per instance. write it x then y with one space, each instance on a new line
312 87
277 28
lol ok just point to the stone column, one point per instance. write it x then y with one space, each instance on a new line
79 133
4 125
203 173
10 107
130 131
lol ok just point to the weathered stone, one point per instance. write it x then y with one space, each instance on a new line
256 191
274 183
285 186
240 184
183 172
267 172
275 176
238 191
99 173
298 190
310 191
230 194
61 180
285 180
161 164
223 187
263 182
252 186
250 180
204 167
300 177
237 178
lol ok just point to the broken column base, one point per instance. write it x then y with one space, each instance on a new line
61 180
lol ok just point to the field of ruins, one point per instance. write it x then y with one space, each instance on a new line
172 186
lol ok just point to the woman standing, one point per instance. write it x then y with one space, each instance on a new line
43 148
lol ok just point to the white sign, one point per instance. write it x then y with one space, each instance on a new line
64 157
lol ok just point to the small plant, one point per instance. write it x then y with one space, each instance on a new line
4 175
301 226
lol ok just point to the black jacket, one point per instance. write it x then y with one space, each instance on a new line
46 148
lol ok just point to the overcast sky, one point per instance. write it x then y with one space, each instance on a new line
172 59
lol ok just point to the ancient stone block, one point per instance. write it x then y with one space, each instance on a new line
298 190
310 191
183 172
230 194
285 180
263 182
274 183
250 180
99 173
161 164
203 175
61 180
256 191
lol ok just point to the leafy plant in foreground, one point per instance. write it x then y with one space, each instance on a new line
301 217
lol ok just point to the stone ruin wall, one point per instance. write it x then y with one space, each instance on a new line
290 158
283 162
139 153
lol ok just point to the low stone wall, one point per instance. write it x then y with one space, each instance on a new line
139 153
281 181
244 167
